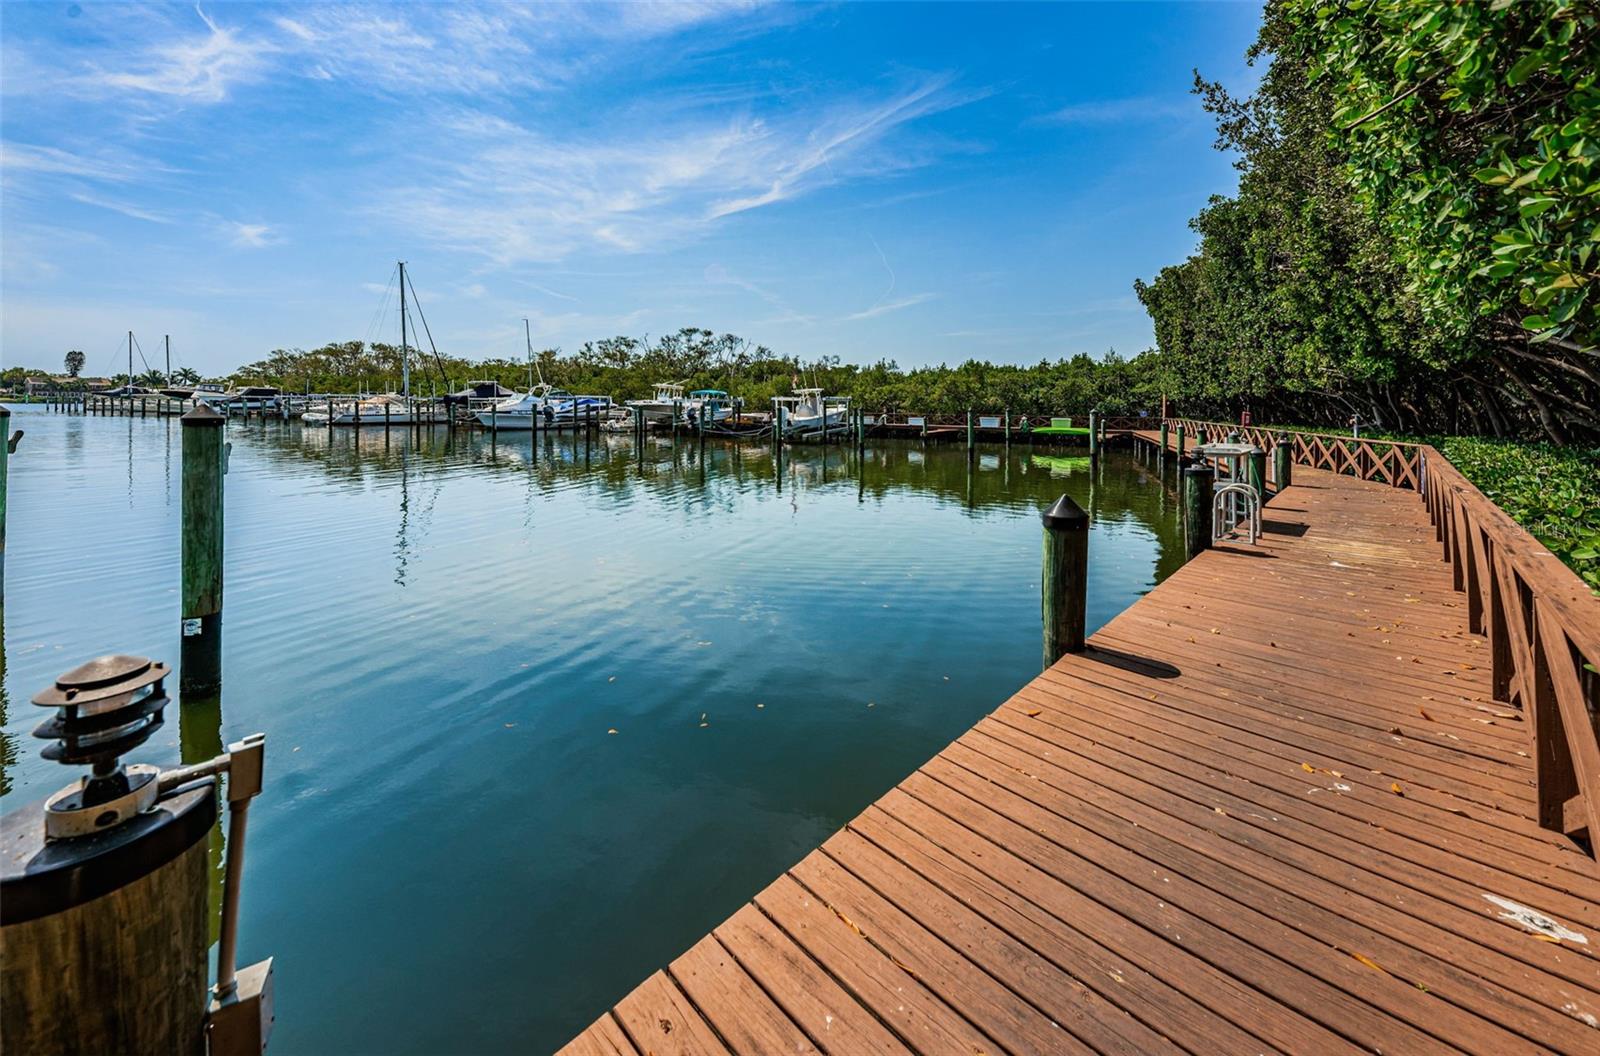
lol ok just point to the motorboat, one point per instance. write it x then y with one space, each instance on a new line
808 412
661 408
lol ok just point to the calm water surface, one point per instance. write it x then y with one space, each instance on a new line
452 853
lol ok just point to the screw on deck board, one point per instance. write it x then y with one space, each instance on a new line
1197 509
1064 590
204 465
1282 465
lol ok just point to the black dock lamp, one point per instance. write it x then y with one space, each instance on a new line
103 885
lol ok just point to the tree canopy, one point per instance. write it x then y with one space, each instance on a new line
1415 230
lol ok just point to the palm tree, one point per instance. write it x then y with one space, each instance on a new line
152 378
186 376
74 363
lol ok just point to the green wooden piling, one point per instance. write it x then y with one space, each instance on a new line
8 444
204 464
1197 509
1094 434
1064 590
969 431
1162 456
1007 413
1256 472
1180 443
1282 465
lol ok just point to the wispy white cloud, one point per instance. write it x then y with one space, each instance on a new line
250 236
890 306
514 193
124 208
55 161
199 66
1123 111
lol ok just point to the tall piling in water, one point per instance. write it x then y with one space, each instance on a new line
8 444
204 465
1094 434
1064 580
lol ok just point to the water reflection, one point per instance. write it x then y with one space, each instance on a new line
437 629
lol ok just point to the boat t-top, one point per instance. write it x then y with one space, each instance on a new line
659 408
804 412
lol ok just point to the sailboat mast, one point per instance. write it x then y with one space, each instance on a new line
169 360
130 362
405 355
527 333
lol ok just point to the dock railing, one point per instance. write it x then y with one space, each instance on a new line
1542 622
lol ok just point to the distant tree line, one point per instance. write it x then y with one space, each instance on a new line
1417 226
629 367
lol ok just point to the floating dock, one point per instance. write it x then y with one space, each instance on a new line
1274 807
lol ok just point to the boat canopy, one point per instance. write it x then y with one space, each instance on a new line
480 390
708 392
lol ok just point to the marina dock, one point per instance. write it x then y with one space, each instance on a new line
1286 802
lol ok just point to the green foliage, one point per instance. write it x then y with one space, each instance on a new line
1414 236
1553 492
74 361
1472 131
629 368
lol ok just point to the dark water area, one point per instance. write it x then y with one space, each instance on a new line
437 632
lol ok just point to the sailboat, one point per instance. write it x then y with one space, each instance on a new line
542 406
390 408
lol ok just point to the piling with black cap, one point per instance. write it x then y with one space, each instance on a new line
1282 465
204 458
103 884
1064 590
1197 487
8 444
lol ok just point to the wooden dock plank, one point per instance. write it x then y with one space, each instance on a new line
1270 809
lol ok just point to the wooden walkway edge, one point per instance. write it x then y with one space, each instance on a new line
1275 807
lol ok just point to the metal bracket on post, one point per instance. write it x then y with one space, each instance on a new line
239 1016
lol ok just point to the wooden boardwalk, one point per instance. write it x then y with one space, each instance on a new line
1274 808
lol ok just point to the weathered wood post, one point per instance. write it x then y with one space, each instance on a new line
1064 597
1094 433
1197 509
204 464
969 431
8 444
1007 413
1282 465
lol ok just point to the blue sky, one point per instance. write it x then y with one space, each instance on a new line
925 183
